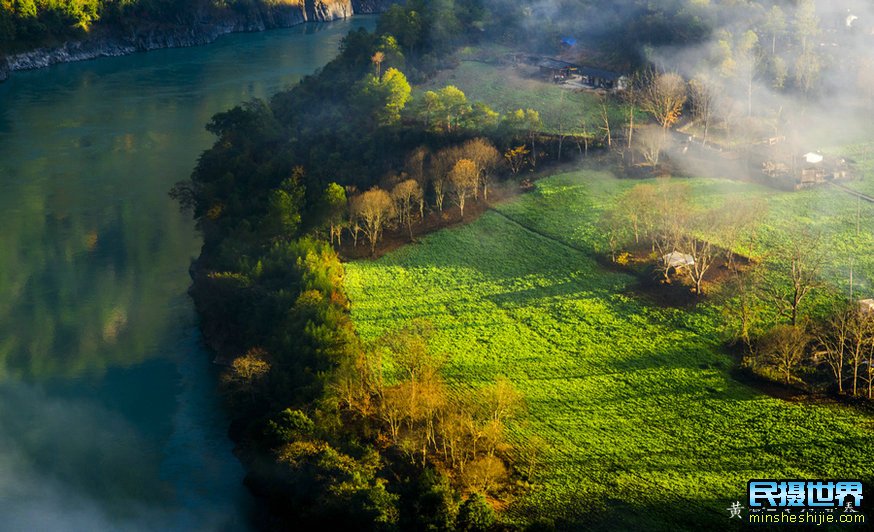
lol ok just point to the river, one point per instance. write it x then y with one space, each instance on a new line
109 415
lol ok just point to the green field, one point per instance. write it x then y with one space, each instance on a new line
507 89
647 427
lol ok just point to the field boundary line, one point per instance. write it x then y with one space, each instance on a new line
856 193
541 233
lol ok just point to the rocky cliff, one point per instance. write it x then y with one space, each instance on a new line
113 42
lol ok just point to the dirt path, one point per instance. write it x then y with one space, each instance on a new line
856 193
540 233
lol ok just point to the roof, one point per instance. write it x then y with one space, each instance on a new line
598 73
813 158
556 64
678 260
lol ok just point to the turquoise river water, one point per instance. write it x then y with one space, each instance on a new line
109 417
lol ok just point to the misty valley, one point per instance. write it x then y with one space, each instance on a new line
488 265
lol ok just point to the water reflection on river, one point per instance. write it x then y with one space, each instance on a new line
108 413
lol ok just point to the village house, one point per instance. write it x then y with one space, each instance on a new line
802 171
559 71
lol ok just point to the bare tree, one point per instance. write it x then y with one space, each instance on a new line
650 142
605 120
415 167
801 262
373 209
663 95
640 207
671 219
744 303
860 342
464 181
736 221
486 158
407 196
631 97
703 92
613 225
784 348
441 164
702 253
832 339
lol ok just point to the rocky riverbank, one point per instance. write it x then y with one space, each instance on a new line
106 42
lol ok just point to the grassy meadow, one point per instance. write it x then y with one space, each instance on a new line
507 89
646 427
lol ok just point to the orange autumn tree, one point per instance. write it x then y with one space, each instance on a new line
663 96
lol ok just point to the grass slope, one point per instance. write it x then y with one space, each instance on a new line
647 429
506 89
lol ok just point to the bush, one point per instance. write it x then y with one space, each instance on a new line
475 514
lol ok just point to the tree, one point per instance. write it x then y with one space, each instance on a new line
670 221
663 95
744 306
416 169
248 372
703 92
806 23
335 203
475 514
807 64
451 106
807 69
285 205
801 262
614 227
377 59
407 196
832 339
485 474
527 122
630 97
749 61
373 209
702 253
860 341
640 205
775 26
464 181
441 165
430 110
650 141
391 92
736 220
516 158
605 120
784 348
486 158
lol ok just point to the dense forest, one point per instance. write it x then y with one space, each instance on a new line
329 435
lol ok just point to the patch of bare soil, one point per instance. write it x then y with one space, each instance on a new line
399 235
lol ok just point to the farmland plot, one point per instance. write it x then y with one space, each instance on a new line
646 427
